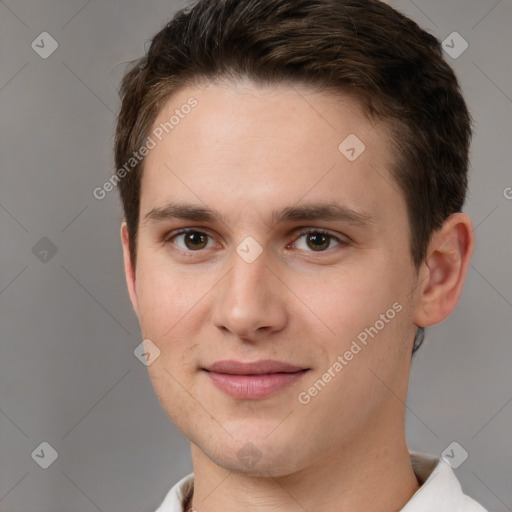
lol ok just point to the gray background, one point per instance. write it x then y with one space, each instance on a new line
68 373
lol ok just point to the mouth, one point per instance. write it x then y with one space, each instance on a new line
254 380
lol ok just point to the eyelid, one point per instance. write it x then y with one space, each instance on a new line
342 239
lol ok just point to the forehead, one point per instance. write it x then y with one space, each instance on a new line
242 143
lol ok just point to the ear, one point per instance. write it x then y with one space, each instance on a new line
443 272
128 268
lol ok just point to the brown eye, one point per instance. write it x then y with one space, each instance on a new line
195 240
316 241
190 240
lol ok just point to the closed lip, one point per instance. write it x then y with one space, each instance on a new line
263 367
253 380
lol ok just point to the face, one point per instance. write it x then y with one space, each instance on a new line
274 276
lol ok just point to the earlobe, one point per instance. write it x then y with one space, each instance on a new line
129 271
443 272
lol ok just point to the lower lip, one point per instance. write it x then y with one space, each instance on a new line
253 386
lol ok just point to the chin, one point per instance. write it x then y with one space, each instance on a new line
264 462
257 456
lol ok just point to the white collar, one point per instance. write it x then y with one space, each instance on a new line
439 491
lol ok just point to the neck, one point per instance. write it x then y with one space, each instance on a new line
371 472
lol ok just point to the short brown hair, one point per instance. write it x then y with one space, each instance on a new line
361 47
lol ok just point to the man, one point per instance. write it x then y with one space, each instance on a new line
292 175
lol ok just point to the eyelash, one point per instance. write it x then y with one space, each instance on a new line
304 231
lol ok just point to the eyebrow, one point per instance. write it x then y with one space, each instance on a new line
305 211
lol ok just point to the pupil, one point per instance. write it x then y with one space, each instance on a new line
195 239
319 241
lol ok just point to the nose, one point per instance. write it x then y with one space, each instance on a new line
250 301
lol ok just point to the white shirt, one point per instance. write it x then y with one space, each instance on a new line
440 490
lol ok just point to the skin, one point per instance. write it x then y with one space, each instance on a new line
246 151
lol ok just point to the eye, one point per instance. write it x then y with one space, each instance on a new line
311 240
317 240
190 240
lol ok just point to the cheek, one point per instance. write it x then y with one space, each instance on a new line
348 300
368 305
166 296
168 304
